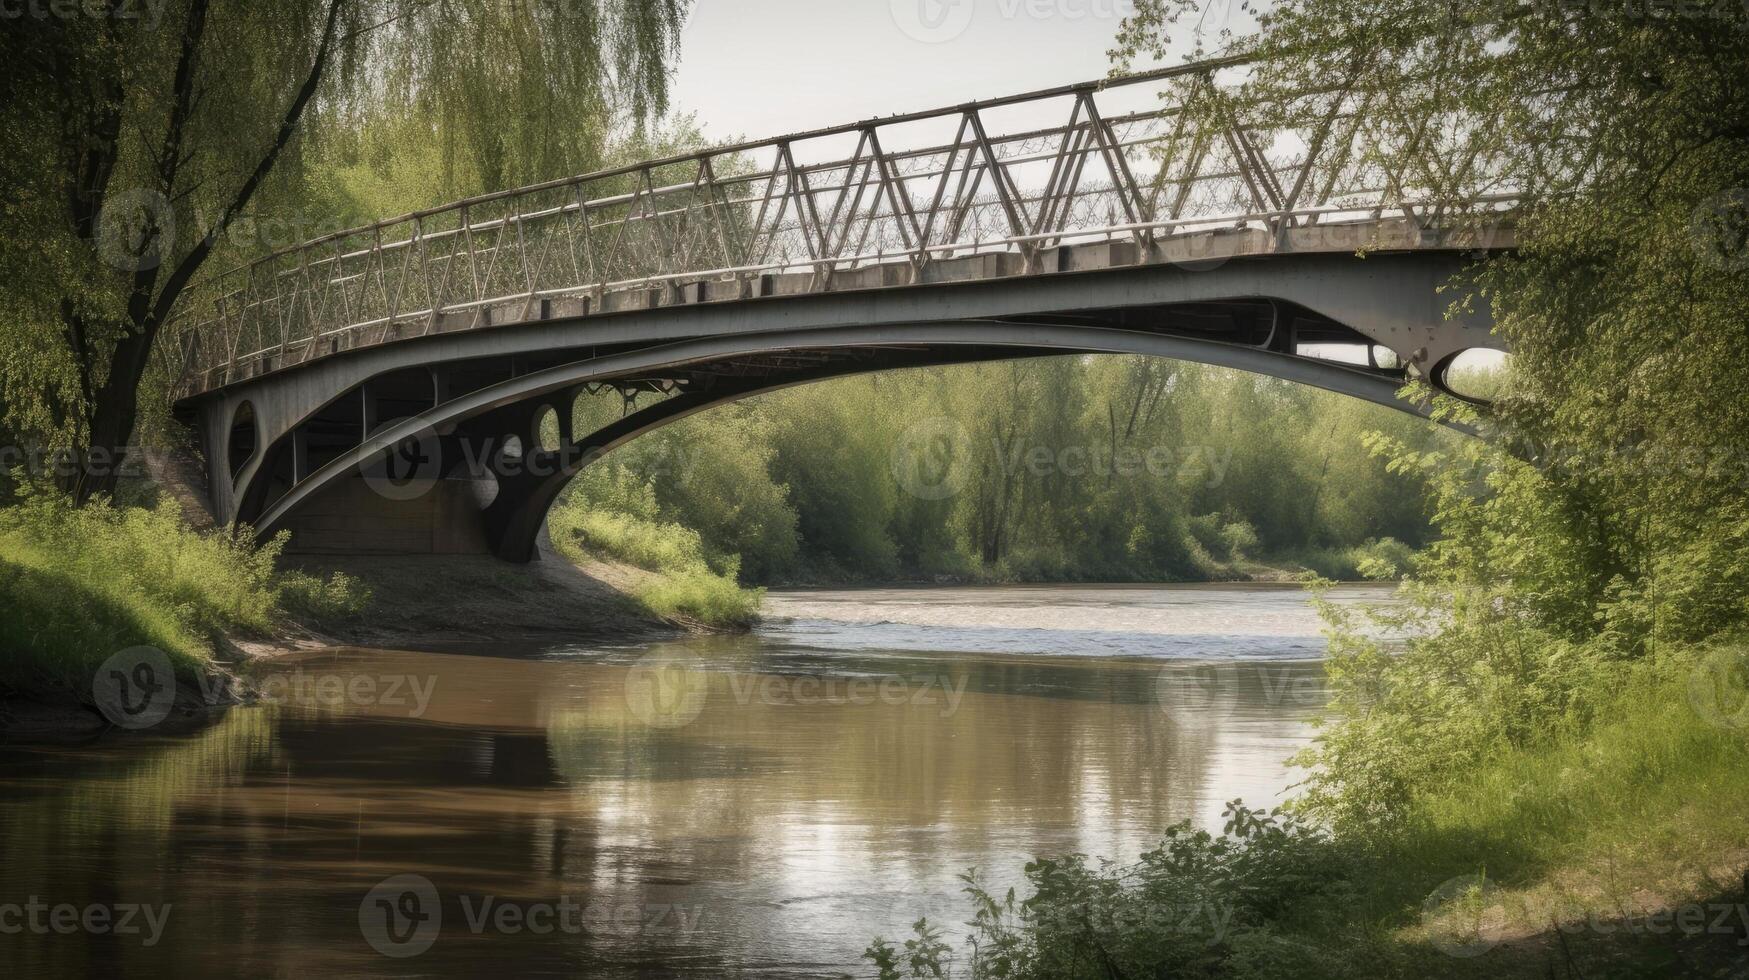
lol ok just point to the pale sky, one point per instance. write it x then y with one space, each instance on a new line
763 68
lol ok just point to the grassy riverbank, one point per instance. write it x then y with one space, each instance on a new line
679 584
81 583
1611 849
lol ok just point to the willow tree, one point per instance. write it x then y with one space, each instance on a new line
136 136
1617 526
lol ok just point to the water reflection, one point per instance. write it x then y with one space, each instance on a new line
747 805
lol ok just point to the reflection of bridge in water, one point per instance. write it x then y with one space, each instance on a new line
458 339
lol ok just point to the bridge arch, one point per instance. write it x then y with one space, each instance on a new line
525 492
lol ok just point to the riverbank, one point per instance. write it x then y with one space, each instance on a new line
85 585
1615 849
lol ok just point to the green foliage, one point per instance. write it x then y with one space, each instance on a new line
1187 908
1657 781
702 596
1602 526
1060 469
81 583
685 584
186 137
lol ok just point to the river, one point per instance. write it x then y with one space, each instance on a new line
757 805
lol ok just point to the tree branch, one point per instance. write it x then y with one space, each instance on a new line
170 156
192 262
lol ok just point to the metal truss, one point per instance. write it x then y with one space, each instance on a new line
1143 159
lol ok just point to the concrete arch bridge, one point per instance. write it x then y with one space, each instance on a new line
385 389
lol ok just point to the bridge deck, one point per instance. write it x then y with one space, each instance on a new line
1164 168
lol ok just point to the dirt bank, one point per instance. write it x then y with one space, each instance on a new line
423 601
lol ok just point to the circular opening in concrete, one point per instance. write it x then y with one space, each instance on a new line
244 438
1475 375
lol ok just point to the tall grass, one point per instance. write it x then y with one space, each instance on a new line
683 582
80 583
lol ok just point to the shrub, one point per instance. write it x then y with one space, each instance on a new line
688 583
81 583
1181 910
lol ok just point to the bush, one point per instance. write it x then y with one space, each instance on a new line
1183 909
81 583
688 584
703 596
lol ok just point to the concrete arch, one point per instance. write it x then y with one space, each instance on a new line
517 513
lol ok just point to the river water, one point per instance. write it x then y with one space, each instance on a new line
758 805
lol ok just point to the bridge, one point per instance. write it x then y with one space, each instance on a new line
408 386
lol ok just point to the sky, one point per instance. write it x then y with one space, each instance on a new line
764 68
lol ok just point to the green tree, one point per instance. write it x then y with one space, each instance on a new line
138 135
1606 518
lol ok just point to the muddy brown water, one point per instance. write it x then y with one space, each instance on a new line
760 805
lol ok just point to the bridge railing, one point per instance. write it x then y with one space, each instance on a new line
1146 158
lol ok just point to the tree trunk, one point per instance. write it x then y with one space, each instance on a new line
110 417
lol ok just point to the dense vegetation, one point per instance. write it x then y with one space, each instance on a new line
1089 469
81 583
1567 745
